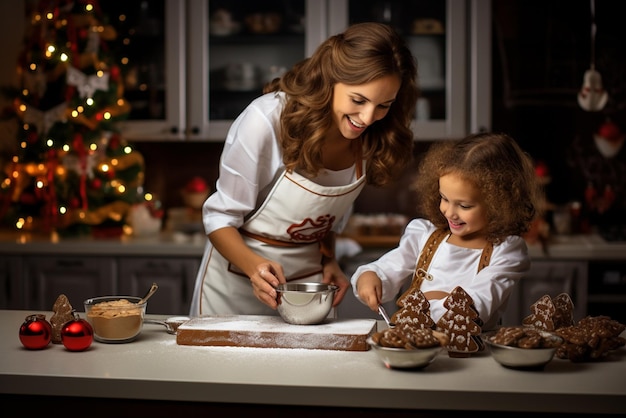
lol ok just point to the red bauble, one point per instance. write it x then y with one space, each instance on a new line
77 334
96 183
541 169
35 332
196 185
32 138
610 131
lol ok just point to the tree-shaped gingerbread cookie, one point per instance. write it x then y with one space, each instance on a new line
414 311
461 324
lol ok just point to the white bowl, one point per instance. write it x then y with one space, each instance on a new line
402 358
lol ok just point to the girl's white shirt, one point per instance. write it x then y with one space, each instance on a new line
452 266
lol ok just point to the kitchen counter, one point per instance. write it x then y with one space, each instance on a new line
164 244
565 247
154 368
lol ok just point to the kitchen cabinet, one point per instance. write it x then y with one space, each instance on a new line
209 59
11 293
549 277
197 63
607 289
451 42
35 281
175 277
77 277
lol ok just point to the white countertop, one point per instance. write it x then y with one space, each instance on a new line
154 367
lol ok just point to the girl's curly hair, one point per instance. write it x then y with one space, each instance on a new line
496 165
362 53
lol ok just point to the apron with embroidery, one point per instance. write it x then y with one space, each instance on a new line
288 226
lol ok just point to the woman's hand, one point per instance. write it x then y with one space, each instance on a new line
264 274
264 279
370 289
332 274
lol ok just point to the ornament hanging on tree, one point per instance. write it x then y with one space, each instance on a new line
592 96
609 139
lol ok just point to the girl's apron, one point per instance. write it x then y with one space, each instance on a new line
287 227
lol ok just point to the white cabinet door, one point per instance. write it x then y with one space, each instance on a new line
227 65
436 31
174 79
151 36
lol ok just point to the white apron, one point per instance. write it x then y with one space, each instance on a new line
287 227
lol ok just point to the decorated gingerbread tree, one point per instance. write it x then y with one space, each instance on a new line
461 323
414 310
72 169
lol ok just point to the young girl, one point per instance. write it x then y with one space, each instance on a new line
294 162
482 193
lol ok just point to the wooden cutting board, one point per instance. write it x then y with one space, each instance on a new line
273 332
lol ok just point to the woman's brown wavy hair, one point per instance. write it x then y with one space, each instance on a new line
496 165
362 53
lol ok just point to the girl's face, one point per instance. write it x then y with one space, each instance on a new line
357 107
462 205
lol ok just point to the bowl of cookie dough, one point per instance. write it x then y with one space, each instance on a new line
405 348
520 347
115 319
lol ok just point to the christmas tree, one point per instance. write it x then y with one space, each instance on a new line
72 170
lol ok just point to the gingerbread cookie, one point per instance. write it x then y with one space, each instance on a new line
564 315
461 324
542 314
415 311
62 313
593 338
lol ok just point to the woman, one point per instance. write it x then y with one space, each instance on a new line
293 163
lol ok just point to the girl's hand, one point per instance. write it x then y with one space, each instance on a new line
334 275
267 276
370 289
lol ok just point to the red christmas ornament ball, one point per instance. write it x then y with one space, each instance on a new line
35 332
610 131
77 334
96 183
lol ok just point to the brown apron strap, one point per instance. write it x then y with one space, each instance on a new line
271 241
421 270
485 257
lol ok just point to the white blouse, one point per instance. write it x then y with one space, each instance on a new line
452 266
250 164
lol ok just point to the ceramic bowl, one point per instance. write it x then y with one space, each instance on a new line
305 303
523 358
402 358
115 319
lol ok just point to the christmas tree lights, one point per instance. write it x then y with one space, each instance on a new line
72 170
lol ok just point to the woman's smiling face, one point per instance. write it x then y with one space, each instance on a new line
357 107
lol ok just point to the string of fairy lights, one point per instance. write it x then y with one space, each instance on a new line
72 165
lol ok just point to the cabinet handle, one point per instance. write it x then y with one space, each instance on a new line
174 129
195 130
